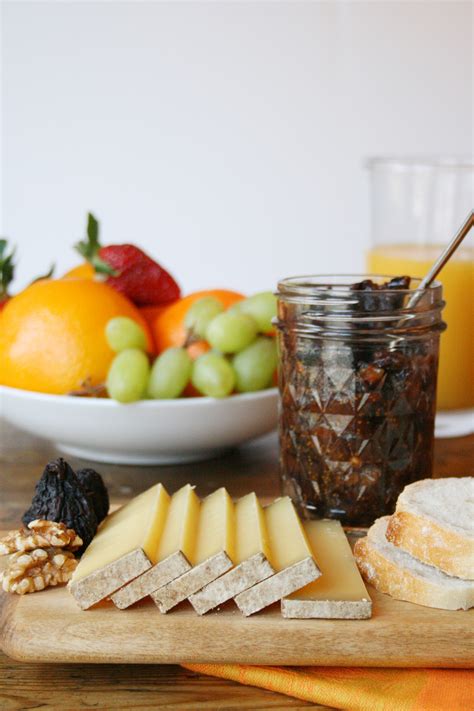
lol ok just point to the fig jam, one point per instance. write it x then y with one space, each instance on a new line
357 382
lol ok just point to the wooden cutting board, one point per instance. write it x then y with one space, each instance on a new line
49 627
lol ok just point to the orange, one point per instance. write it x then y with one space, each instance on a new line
52 334
87 271
83 271
150 314
195 350
168 328
198 348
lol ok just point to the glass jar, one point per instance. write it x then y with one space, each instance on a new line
357 383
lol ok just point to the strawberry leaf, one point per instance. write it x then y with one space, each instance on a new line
89 248
102 267
91 245
7 268
93 231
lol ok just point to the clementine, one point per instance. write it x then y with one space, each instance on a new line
52 334
198 348
150 313
86 271
168 328
82 271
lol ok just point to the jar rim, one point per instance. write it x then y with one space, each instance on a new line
308 284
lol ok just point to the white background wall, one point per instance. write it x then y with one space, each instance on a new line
227 138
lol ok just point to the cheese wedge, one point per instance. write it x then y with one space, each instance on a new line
124 547
291 557
340 592
175 549
252 558
213 554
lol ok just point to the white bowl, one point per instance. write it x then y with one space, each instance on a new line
146 432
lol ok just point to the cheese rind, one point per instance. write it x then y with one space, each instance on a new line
213 555
124 547
175 548
101 583
151 580
291 557
252 553
235 581
277 586
340 592
181 588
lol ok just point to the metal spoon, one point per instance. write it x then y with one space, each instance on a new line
442 259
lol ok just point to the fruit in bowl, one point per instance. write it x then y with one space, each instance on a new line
126 268
118 326
235 354
52 334
169 327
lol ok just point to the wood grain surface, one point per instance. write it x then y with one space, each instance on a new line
106 686
50 627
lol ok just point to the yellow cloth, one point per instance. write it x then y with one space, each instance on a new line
358 689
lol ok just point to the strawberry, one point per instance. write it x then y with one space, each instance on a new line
7 271
128 269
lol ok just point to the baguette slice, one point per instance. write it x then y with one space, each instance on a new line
434 522
395 572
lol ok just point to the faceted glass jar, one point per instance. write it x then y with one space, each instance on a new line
357 383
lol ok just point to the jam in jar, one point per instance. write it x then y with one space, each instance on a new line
357 379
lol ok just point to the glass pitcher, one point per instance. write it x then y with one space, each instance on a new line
416 206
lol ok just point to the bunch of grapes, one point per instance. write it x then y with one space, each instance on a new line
242 353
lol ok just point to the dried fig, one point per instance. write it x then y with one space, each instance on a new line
94 486
61 497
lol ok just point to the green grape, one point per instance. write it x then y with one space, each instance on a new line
213 375
170 374
231 332
127 378
262 307
255 365
201 314
122 332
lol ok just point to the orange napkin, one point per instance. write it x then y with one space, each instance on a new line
358 689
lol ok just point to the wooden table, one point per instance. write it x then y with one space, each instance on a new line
254 467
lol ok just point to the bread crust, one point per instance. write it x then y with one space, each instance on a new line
431 543
388 578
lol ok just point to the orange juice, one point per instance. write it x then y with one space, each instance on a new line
456 365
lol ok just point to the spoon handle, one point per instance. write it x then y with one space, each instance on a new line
443 258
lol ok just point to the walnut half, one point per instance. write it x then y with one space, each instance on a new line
40 534
37 570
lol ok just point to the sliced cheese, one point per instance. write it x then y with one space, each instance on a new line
252 558
213 555
216 530
174 550
251 529
340 591
181 524
124 547
289 542
291 557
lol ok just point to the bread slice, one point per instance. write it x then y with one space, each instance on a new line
434 521
391 570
